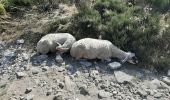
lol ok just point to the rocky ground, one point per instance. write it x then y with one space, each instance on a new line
25 75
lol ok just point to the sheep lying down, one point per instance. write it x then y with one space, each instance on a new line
102 49
55 42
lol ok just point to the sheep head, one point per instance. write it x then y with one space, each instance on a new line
131 58
61 49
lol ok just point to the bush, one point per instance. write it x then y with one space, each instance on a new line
128 27
2 9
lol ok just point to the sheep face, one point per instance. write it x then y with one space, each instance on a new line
61 49
131 58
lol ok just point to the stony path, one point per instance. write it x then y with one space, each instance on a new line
24 75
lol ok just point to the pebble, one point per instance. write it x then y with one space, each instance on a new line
61 69
104 94
29 97
142 92
59 59
45 68
35 70
157 95
20 41
25 56
69 67
83 90
61 85
49 92
94 74
114 65
28 90
21 74
166 80
59 96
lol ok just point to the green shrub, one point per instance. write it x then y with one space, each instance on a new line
128 27
2 9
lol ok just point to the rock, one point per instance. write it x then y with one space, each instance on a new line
61 85
9 56
158 95
104 94
166 80
41 58
45 68
122 77
157 84
69 67
94 74
114 65
70 85
49 92
20 41
115 92
59 59
21 74
25 56
35 70
85 63
83 90
28 90
142 92
29 97
168 73
61 69
59 96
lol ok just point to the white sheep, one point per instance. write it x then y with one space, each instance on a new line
102 49
55 42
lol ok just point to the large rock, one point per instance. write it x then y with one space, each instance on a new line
122 77
114 65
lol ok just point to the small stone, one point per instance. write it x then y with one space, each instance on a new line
59 59
122 77
69 67
20 41
142 92
61 85
85 63
83 90
114 65
35 70
94 74
168 73
29 97
59 96
61 69
104 94
157 95
25 56
49 92
166 80
28 90
45 68
115 92
21 74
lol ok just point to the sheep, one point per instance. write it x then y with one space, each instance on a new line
55 42
90 48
